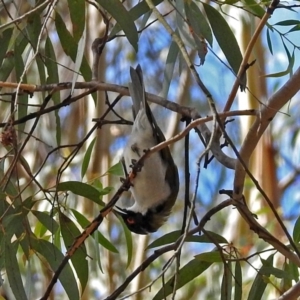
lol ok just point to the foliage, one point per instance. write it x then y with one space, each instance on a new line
52 187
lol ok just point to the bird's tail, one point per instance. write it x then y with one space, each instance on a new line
137 89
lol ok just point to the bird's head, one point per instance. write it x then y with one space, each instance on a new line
145 223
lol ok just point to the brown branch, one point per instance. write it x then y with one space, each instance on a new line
244 64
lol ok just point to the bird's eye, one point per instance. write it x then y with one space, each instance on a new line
130 220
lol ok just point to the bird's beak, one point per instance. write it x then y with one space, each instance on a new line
119 210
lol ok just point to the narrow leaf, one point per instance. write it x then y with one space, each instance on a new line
254 7
70 46
296 231
46 220
168 73
238 291
136 12
186 274
287 23
4 42
69 232
118 11
81 189
269 41
116 170
172 237
226 285
198 21
87 157
13 271
77 14
52 71
259 284
100 238
54 257
225 37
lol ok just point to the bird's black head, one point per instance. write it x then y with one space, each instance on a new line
144 223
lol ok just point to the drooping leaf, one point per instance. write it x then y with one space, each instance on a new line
198 21
69 232
225 37
54 257
34 30
296 231
186 274
226 285
182 26
172 237
137 11
269 41
79 58
238 281
81 189
87 157
287 23
12 269
254 7
46 220
259 284
100 238
169 69
52 71
212 256
4 42
77 14
21 76
116 170
70 46
128 238
118 11
19 44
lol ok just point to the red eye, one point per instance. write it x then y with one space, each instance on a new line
131 220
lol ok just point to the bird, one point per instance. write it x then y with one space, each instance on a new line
155 187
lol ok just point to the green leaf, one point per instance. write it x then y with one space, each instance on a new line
87 157
212 256
19 44
69 233
269 41
254 7
12 269
238 291
54 257
116 170
287 23
136 12
117 10
225 37
186 274
4 42
46 220
34 29
52 71
182 26
128 238
259 284
295 28
226 285
81 189
289 68
198 21
70 46
172 237
22 99
169 70
77 14
101 239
